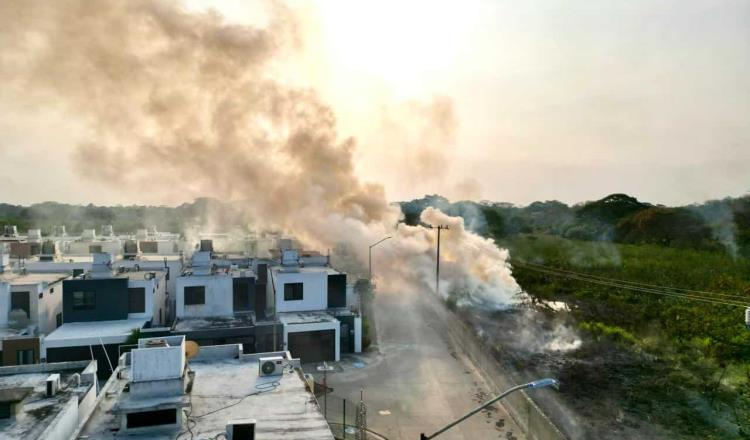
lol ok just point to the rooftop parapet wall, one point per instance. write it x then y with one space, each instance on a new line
153 361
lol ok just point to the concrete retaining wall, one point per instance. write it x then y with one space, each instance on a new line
535 424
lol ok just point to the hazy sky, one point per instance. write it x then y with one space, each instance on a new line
567 100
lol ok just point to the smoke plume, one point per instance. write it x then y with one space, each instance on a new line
186 105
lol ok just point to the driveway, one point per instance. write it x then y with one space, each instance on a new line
414 381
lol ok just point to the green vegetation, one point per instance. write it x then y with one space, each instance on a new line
692 368
680 364
75 218
717 224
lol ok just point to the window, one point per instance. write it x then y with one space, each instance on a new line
152 418
241 296
58 319
195 295
293 292
20 301
77 272
136 300
24 357
84 300
5 410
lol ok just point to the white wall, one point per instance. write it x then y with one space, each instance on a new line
49 306
358 334
56 266
33 290
314 291
64 424
175 269
4 303
218 298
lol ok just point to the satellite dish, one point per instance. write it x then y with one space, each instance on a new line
191 349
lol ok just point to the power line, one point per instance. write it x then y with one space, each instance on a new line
728 295
585 278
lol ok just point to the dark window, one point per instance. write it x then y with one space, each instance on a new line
24 357
52 290
5 410
84 300
241 294
149 247
195 295
136 300
293 292
58 319
152 418
77 272
159 316
20 300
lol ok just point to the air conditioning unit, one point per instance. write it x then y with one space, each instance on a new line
53 384
243 429
271 366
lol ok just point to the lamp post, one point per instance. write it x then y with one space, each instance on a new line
369 277
541 383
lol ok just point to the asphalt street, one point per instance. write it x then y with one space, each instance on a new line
414 381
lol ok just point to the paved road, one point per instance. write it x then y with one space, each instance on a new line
415 382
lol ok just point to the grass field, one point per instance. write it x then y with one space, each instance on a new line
692 373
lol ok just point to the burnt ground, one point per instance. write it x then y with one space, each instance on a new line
608 390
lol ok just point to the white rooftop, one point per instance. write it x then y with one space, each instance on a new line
39 415
82 333
227 388
289 318
32 278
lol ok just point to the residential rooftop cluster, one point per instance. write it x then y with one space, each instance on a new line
123 308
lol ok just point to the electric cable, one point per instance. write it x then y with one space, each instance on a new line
728 295
625 286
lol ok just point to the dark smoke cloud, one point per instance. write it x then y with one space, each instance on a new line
184 104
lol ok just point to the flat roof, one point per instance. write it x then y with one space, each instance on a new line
290 318
140 275
82 333
37 411
306 269
63 258
227 389
33 278
192 324
150 258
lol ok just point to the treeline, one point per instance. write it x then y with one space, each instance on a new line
124 219
620 218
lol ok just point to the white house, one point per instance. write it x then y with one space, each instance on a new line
312 301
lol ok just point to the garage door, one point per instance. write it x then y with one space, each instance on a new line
313 347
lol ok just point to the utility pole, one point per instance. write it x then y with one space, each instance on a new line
437 259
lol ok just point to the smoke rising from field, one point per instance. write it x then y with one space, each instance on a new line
184 105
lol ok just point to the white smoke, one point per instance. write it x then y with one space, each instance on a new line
185 105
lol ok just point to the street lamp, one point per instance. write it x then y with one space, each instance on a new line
541 383
369 278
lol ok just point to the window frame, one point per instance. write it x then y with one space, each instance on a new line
295 293
142 292
82 303
189 295
21 356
